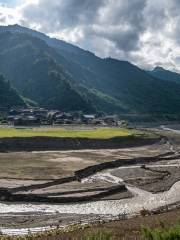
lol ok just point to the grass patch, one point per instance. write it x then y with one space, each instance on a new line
163 233
99 133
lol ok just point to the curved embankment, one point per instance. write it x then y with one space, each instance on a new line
58 143
24 193
6 195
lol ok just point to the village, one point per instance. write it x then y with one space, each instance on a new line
40 116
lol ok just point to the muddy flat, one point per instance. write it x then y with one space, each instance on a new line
42 165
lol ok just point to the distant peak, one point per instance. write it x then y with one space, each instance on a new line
158 68
14 26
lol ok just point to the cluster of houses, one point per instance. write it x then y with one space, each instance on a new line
41 116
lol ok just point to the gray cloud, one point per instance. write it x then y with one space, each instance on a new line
142 31
119 21
59 14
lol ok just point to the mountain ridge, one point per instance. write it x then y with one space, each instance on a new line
96 84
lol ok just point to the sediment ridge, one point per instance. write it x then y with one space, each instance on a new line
15 144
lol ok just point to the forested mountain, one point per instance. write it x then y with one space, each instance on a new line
9 96
164 74
36 75
59 75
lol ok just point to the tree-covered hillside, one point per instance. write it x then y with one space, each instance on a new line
37 76
56 74
8 95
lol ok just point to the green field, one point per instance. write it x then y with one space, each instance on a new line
99 133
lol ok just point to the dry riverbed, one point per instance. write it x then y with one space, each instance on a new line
86 185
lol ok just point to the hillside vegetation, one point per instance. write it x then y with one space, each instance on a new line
9 97
61 76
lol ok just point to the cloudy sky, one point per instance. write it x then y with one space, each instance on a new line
145 32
